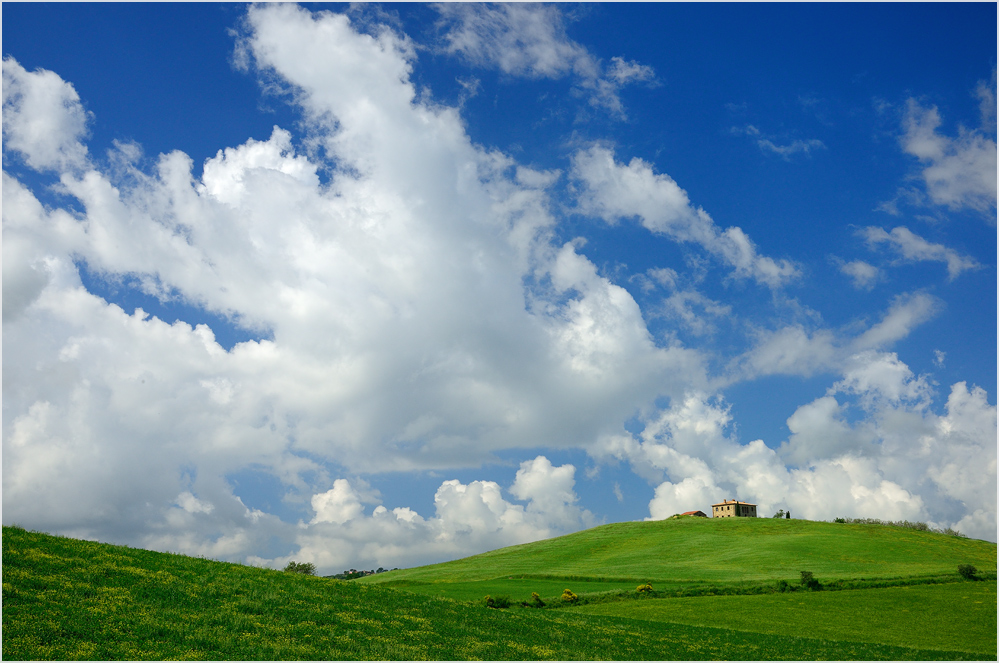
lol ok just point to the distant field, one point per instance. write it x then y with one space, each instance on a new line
66 599
958 616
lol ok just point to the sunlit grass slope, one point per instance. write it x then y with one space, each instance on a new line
69 599
959 616
692 550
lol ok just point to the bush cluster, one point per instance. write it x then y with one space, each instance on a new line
809 582
305 568
354 573
569 597
905 524
645 589
535 602
967 571
498 602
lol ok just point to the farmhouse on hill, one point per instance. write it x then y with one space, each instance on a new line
699 514
733 509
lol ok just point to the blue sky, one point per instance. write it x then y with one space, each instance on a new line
420 281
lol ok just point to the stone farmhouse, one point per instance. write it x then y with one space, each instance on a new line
733 509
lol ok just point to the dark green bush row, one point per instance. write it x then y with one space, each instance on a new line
809 583
905 524
354 574
498 602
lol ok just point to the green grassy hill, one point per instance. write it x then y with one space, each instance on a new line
724 550
70 599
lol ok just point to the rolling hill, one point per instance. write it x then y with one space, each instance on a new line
706 550
70 599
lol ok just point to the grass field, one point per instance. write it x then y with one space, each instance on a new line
698 552
957 616
69 599
518 588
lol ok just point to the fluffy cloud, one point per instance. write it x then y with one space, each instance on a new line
614 191
913 248
796 350
411 308
960 172
42 118
670 498
624 71
864 275
530 40
791 350
905 313
875 465
523 40
881 378
468 518
414 310
337 505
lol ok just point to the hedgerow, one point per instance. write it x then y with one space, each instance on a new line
904 524
499 602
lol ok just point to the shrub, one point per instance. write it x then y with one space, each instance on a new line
305 568
779 514
904 524
569 597
498 602
645 589
809 582
784 586
536 601
967 571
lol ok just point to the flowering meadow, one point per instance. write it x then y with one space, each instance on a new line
65 599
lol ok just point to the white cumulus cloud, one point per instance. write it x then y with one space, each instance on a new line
468 518
412 306
875 465
411 313
43 119
959 172
913 248
614 191
863 274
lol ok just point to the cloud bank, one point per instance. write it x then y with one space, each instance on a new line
413 311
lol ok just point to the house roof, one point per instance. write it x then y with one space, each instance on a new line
732 502
692 513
